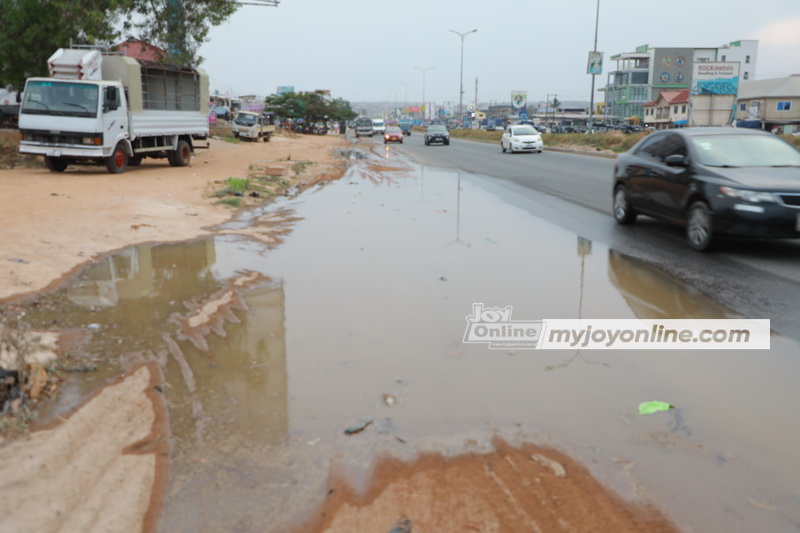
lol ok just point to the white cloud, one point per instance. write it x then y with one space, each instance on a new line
783 33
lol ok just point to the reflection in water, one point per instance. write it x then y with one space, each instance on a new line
652 294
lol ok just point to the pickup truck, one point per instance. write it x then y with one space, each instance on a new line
252 126
112 110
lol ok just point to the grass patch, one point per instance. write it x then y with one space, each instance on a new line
9 152
300 167
232 202
223 132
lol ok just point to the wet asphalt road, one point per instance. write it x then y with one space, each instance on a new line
758 279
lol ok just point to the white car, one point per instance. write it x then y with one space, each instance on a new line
379 126
522 138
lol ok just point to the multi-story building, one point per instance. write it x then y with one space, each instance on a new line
640 76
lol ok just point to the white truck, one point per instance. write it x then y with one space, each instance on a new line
113 110
253 126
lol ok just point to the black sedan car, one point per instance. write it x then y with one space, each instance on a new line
715 181
436 133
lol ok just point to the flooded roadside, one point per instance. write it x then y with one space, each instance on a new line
270 352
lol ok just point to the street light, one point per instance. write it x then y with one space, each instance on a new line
590 129
423 70
461 83
405 85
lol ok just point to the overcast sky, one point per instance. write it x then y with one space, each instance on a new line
367 50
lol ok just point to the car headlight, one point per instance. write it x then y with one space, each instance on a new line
748 196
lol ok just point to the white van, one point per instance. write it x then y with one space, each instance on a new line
378 126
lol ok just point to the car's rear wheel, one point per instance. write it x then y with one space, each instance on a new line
699 228
623 211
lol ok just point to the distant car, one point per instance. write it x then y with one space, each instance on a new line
405 125
393 134
436 133
521 139
378 125
714 181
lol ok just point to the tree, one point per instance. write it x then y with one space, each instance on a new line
34 29
312 107
179 27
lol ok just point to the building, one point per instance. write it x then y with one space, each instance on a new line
640 76
669 110
770 104
140 50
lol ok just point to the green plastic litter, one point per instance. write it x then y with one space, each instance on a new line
646 408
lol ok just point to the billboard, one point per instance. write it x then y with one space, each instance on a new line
519 100
595 63
715 78
285 89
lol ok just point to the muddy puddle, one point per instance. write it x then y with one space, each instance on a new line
271 352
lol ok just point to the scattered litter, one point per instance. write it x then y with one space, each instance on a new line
94 326
403 525
314 442
646 408
192 214
389 400
137 226
359 427
17 260
546 462
255 194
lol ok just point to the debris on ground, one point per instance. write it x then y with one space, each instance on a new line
546 462
359 426
646 408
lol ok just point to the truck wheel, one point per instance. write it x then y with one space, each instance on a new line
182 155
117 163
55 164
266 137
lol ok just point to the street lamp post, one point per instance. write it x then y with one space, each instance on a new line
423 70
590 129
461 82
405 85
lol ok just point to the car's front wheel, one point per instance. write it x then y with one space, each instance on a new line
699 229
623 212
503 146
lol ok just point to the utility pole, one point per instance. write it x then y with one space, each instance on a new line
405 85
591 97
476 93
422 108
461 79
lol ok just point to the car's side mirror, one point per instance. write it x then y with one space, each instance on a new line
675 160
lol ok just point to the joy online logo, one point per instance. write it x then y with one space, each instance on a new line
493 325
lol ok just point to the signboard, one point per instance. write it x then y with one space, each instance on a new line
413 109
595 63
519 100
715 78
285 89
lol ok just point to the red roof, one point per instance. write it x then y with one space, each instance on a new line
671 97
141 50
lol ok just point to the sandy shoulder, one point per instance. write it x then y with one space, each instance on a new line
50 223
